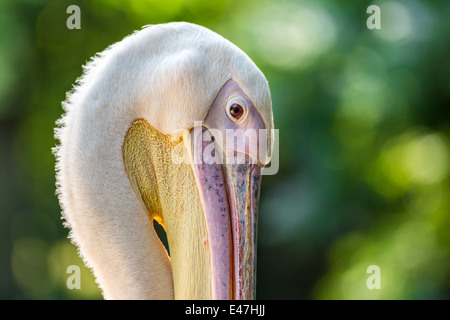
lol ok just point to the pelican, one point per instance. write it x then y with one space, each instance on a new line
134 142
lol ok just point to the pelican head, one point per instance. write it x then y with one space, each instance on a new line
143 138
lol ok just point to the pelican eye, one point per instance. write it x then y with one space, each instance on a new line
236 111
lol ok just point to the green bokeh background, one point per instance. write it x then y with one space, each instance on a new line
364 124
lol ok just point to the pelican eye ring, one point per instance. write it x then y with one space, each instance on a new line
237 110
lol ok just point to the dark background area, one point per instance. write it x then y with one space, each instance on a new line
364 125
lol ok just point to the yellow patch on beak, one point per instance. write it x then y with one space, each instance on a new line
168 189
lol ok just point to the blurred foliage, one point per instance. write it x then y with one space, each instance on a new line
364 140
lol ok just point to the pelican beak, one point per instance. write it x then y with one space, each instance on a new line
243 183
208 208
230 194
